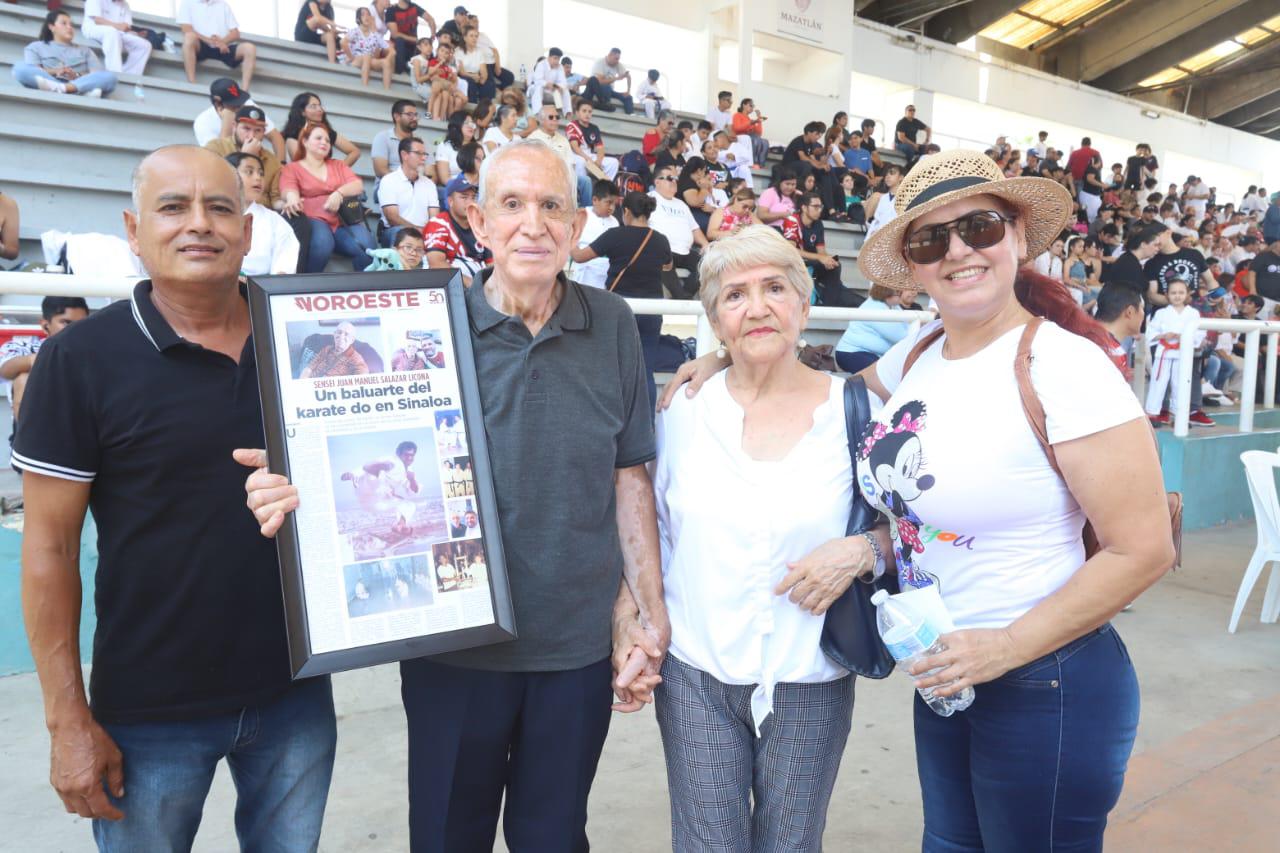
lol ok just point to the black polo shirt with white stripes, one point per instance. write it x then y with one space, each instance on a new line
190 615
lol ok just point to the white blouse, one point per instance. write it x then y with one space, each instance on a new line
729 524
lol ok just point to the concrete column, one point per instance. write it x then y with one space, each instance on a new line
923 99
525 36
744 53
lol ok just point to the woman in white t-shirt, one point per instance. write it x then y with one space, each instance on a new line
753 485
980 512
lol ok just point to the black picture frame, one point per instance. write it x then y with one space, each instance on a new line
267 349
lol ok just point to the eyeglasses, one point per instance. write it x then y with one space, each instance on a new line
979 230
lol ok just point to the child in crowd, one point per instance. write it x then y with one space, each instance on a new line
649 95
1165 328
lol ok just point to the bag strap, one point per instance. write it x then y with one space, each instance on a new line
617 278
857 413
1032 408
921 345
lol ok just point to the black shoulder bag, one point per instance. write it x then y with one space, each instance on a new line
849 634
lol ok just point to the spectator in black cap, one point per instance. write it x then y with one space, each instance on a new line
450 242
315 25
218 120
457 25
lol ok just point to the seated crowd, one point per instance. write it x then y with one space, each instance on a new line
309 203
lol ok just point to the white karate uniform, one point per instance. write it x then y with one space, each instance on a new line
1166 364
546 77
114 42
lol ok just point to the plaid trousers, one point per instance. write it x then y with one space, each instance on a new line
716 765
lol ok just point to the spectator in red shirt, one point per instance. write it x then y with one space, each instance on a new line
318 186
655 136
748 121
1079 160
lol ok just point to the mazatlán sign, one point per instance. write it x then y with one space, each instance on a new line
801 19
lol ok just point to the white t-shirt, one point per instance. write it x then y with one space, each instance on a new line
379 20
593 273
673 220
496 136
208 17
602 68
208 125
973 503
720 119
275 247
414 200
487 48
113 10
446 153
729 524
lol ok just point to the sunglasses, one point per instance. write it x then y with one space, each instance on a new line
666 178
979 230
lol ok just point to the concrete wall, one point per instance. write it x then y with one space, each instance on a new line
927 66
1206 468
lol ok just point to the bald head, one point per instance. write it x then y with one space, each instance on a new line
188 224
181 155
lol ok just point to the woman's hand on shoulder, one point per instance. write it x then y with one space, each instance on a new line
695 373
815 581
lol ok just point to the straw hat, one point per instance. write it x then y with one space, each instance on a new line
940 179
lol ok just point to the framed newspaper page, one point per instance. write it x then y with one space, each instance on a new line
371 408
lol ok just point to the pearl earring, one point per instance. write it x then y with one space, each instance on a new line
801 344
721 352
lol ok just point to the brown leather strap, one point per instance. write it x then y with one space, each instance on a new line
921 345
1031 406
617 278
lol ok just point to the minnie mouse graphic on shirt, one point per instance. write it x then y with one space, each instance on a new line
895 459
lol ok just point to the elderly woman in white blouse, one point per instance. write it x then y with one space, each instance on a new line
754 488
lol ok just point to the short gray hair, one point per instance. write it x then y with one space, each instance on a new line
753 246
666 115
530 145
135 180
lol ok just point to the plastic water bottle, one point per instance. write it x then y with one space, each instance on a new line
524 72
909 636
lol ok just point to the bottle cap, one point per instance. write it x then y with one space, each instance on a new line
880 597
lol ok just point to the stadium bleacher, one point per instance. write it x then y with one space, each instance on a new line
78 177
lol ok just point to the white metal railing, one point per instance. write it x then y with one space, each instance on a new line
1253 330
115 287
820 317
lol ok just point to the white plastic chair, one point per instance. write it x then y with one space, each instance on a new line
1259 470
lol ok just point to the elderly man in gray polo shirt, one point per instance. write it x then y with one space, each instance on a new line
567 419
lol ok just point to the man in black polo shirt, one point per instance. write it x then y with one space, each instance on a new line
568 425
133 413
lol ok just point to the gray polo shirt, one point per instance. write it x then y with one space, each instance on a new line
562 411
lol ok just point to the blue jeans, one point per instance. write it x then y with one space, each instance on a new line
280 755
27 75
604 95
1218 370
906 150
348 240
584 191
1038 760
853 362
